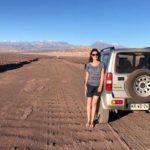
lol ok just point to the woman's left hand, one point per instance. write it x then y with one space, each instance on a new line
99 88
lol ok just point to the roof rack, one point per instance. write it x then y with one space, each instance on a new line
108 48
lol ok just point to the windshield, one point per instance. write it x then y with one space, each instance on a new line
130 61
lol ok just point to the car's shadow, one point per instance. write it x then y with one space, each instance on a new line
116 116
6 67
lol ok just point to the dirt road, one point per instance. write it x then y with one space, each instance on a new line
42 107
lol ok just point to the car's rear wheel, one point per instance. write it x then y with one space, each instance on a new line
138 85
104 114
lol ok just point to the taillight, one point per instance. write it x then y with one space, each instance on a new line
114 102
109 79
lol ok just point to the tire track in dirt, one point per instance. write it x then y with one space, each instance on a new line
134 130
81 138
17 130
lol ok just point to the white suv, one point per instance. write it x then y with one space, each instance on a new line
127 81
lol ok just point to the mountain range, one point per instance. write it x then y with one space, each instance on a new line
48 45
100 45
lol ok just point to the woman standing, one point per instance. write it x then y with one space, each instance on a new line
93 84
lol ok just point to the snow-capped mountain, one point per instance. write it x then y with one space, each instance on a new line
49 45
100 45
35 45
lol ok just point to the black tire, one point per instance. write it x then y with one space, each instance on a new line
138 85
104 114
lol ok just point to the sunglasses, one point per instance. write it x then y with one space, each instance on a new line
94 54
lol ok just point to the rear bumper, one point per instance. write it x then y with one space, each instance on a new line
129 102
107 103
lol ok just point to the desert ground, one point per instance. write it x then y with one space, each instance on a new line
43 107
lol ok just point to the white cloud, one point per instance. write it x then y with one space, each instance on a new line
101 40
115 43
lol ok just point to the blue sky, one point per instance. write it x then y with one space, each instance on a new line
77 21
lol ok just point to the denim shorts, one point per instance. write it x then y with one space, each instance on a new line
92 91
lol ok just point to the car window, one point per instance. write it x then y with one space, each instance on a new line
128 62
105 60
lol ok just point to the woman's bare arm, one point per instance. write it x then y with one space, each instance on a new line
86 77
101 80
102 77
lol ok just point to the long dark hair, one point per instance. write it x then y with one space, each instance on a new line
94 50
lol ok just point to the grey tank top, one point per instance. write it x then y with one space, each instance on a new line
94 73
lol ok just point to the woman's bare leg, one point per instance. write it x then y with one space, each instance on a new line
89 107
94 103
